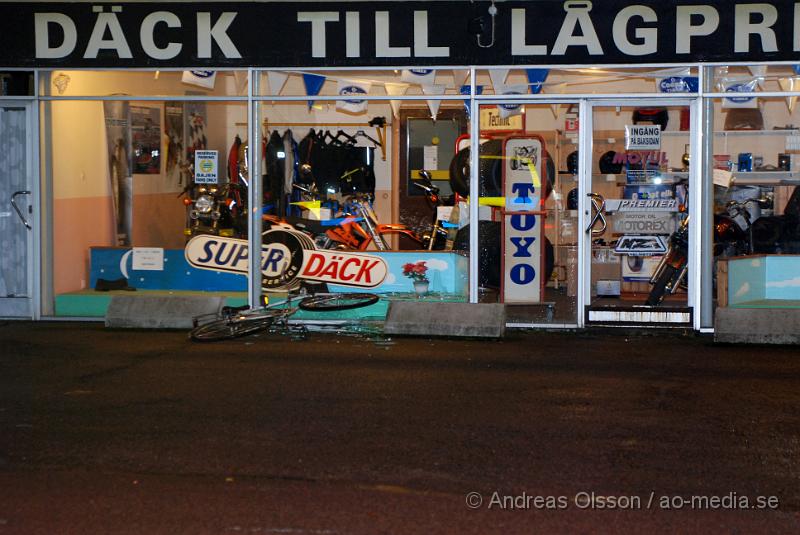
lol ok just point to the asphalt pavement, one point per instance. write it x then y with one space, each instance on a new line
144 432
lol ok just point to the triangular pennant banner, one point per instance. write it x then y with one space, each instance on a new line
536 78
498 77
759 71
511 108
313 83
204 79
418 76
240 77
460 76
276 81
557 89
433 104
788 84
351 88
464 90
395 90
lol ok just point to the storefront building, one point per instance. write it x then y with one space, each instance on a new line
637 164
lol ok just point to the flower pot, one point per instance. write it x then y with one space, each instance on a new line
421 287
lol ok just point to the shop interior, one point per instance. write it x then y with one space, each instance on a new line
120 166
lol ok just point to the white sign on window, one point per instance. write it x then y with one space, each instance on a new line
430 157
643 137
206 166
148 258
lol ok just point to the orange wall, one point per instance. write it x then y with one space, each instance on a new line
85 222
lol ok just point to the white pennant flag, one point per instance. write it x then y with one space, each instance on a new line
418 76
433 104
204 79
240 78
788 84
759 71
558 89
511 108
460 76
276 81
395 90
351 88
498 77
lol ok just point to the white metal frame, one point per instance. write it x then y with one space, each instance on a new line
586 102
585 152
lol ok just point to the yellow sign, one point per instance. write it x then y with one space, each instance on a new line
492 122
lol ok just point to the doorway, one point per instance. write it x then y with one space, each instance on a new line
638 237
17 220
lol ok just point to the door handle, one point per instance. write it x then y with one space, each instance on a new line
16 208
599 205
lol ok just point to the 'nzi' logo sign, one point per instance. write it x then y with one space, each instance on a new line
641 245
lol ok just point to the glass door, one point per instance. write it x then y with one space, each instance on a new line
16 211
636 211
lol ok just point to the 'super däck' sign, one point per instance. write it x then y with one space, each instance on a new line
286 257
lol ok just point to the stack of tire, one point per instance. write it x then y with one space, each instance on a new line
490 183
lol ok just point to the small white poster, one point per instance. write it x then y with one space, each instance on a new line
206 166
148 258
430 157
643 137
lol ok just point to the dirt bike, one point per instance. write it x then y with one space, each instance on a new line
355 228
436 239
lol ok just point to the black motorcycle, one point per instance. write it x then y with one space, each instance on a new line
672 269
734 235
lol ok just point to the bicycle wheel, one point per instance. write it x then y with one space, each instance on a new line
235 326
337 301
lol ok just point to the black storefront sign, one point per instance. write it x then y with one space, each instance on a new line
340 34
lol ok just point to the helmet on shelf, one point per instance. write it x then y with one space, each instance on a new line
658 116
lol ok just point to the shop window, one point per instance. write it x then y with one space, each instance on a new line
16 83
757 203
80 83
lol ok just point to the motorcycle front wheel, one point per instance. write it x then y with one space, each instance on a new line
660 287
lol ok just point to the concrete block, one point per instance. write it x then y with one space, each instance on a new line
484 320
159 312
757 325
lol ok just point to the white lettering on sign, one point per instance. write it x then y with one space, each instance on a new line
636 31
337 267
643 137
644 223
206 165
108 34
641 205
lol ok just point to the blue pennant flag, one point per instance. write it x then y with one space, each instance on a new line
536 78
465 91
313 83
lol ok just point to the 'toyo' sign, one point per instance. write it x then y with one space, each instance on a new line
523 220
286 257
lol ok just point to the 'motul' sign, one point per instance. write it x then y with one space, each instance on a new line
296 34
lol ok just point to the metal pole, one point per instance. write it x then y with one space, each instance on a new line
474 192
707 206
254 192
